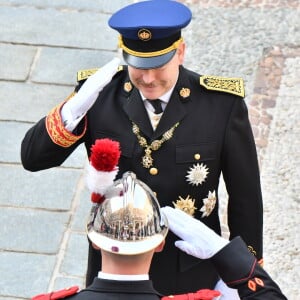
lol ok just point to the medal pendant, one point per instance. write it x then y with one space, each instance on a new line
147 160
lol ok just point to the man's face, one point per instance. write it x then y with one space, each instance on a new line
153 83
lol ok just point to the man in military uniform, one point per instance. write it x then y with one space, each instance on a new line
129 205
126 225
178 132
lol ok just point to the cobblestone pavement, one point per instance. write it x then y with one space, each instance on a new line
43 44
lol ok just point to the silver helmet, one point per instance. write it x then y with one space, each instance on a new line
129 220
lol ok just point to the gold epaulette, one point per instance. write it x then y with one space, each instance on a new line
84 74
228 85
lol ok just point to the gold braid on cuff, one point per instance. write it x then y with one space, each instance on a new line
56 130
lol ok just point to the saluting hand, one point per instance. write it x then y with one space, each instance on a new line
197 239
75 109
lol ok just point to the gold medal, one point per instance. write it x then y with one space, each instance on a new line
147 160
208 204
197 174
186 205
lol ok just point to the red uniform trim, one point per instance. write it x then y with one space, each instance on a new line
245 278
203 294
57 294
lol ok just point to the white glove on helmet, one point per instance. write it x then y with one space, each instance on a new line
197 239
75 109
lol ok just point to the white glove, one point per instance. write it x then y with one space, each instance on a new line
75 109
197 239
227 292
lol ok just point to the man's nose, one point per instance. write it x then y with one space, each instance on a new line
148 76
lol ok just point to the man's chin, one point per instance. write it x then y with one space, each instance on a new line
151 93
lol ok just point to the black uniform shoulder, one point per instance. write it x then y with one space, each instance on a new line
229 85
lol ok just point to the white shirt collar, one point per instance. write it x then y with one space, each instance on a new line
164 98
119 277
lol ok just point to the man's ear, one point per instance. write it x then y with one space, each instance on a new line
160 247
181 52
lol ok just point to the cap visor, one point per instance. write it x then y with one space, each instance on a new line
148 62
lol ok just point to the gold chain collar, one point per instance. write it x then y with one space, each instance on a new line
147 160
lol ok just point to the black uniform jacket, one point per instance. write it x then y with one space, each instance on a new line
240 270
213 135
111 290
235 264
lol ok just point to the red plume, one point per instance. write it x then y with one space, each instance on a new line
102 168
105 155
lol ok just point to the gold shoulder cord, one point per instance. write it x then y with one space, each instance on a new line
147 160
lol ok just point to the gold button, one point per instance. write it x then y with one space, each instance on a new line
153 171
197 156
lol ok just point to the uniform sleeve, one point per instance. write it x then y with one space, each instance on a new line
241 175
239 269
48 144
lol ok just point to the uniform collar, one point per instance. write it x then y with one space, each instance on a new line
108 276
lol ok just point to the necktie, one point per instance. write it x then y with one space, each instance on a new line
156 103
